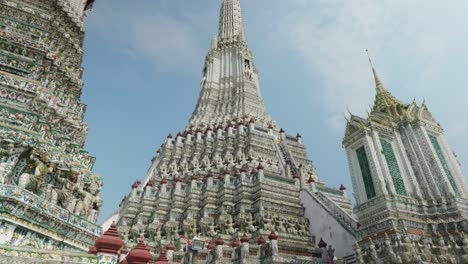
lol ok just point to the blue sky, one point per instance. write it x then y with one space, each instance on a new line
143 62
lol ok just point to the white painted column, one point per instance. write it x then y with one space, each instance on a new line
241 129
356 176
420 159
413 186
230 131
423 182
209 133
178 186
227 179
387 177
260 172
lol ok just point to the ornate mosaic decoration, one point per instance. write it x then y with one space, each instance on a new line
366 172
23 255
393 167
49 196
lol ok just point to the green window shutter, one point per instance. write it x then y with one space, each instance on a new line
443 161
393 167
365 171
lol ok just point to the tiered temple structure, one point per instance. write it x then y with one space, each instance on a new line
227 188
49 197
411 196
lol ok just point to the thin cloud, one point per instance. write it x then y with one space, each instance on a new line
413 43
150 33
167 41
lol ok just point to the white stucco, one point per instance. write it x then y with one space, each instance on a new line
324 225
108 221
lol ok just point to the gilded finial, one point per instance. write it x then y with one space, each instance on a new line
368 56
378 83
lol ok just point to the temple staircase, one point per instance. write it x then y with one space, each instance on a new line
341 214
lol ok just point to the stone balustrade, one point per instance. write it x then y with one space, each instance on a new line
22 204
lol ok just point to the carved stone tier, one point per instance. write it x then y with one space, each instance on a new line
212 184
21 255
33 217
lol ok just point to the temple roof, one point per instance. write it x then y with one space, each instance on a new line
109 242
141 254
383 98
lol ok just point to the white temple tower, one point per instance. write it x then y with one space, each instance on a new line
231 178
407 182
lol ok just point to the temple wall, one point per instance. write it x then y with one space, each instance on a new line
324 225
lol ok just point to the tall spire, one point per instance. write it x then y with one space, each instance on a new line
230 88
230 21
383 98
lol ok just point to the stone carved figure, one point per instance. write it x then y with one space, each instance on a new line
34 182
464 257
205 225
88 200
389 254
223 220
425 251
279 226
230 230
51 194
442 252
373 252
188 225
267 223
250 225
172 231
65 194
407 251
212 230
302 228
155 226
359 254
158 236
